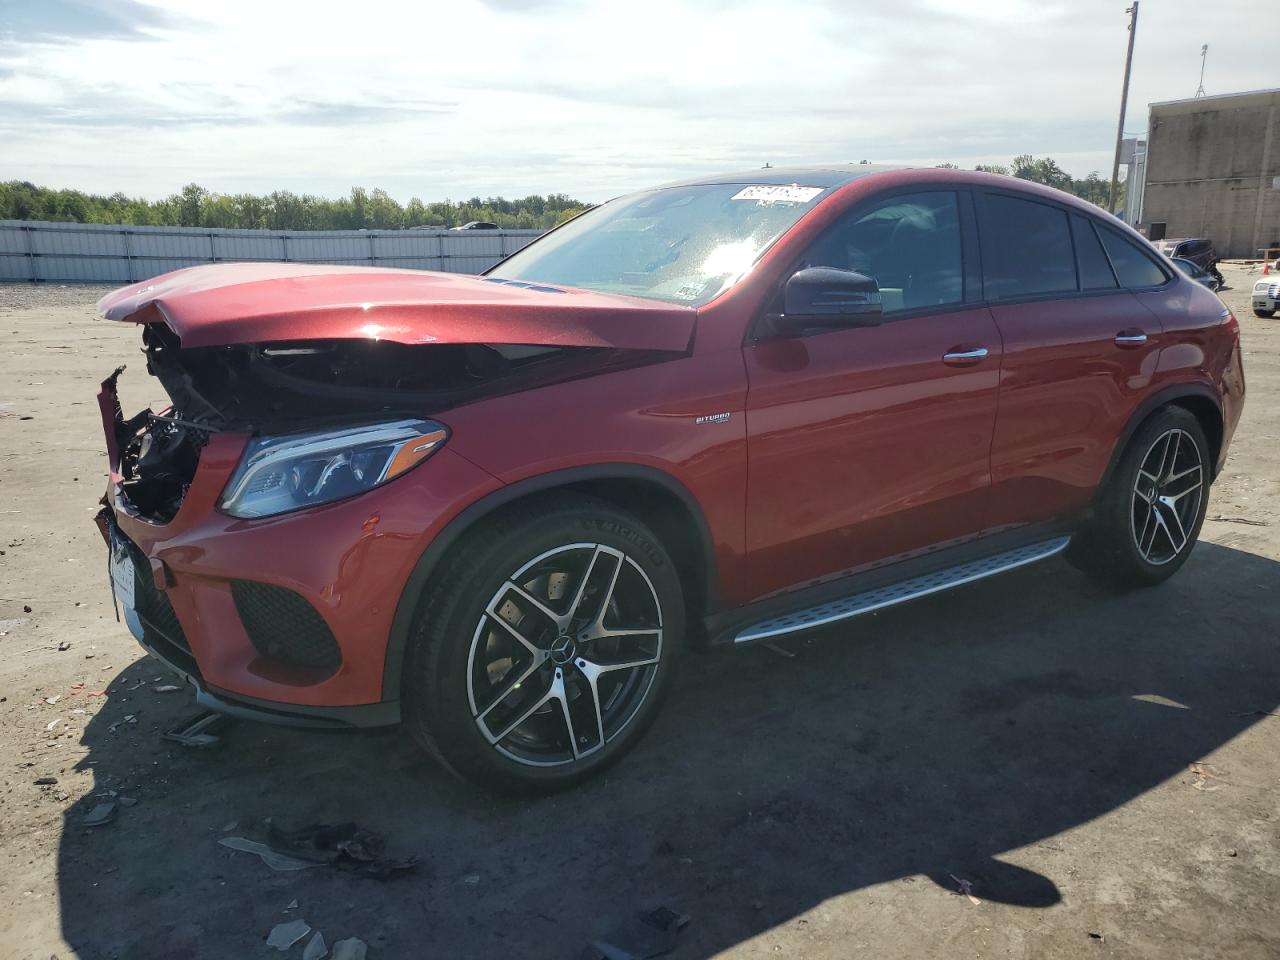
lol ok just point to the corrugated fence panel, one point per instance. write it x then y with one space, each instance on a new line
248 247
327 248
108 253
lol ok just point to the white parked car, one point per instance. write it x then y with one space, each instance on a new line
1266 295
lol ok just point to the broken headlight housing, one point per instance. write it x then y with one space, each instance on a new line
279 474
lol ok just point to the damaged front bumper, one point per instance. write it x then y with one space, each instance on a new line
283 619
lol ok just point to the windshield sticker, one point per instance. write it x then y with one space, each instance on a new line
770 193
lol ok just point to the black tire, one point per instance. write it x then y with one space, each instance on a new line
443 683
1264 314
1111 547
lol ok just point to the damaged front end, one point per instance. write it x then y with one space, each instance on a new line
304 388
272 350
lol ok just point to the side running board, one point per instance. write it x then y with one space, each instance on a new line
895 593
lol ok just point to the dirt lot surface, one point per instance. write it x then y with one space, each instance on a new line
1102 769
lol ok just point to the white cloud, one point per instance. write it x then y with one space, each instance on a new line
450 99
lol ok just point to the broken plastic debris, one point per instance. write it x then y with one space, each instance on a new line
965 887
101 814
285 935
353 948
344 845
198 732
315 950
1203 773
648 934
167 688
276 861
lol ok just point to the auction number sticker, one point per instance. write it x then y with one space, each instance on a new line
777 193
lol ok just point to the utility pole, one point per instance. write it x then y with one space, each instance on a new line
1204 55
1124 99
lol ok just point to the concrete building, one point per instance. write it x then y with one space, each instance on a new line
1213 171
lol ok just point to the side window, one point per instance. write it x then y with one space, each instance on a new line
1133 266
909 243
1095 271
1026 249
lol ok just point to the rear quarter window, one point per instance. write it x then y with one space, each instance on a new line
1095 270
1134 266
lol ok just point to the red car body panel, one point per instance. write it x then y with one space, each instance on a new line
864 445
840 451
222 304
1066 391
349 559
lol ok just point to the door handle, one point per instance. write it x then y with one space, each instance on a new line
1130 338
964 358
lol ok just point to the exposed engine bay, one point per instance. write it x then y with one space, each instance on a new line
282 388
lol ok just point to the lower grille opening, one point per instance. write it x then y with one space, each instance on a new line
152 604
283 626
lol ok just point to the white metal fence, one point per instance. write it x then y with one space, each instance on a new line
107 253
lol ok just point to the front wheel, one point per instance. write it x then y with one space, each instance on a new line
1265 314
543 652
1148 517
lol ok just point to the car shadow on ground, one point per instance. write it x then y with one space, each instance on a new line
927 740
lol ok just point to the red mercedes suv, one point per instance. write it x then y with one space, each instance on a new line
731 409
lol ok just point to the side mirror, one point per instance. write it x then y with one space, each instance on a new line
827 298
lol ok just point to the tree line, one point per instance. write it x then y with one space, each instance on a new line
1046 170
374 209
364 209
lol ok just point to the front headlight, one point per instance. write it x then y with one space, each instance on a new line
279 474
1261 286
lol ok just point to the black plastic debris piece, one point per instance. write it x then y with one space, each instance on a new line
102 814
650 933
342 845
199 732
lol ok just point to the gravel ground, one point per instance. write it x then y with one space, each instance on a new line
1101 769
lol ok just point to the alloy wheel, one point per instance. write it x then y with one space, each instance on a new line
1166 497
564 654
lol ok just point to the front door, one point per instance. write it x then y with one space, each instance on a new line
867 444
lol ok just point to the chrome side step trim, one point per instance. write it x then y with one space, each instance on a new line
895 593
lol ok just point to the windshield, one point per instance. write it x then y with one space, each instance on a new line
679 244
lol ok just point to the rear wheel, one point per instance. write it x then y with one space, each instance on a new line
543 652
1149 517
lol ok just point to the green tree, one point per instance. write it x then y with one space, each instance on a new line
194 206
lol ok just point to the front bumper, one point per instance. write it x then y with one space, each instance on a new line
264 711
348 560
1266 298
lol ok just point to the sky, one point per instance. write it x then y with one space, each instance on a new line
448 99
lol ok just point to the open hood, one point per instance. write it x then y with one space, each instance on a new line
242 303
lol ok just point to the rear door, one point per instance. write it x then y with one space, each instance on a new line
1080 351
865 444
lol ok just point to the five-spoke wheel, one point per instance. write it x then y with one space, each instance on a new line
1150 510
564 654
544 647
1166 496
